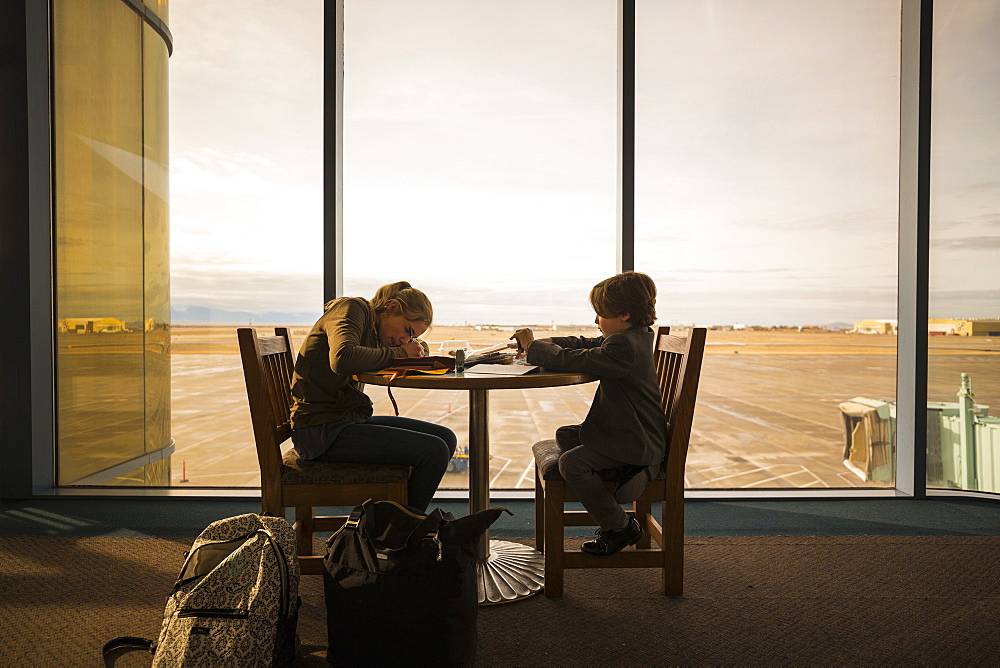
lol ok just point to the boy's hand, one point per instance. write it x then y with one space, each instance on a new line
524 338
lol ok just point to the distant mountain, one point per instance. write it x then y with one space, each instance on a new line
202 315
836 326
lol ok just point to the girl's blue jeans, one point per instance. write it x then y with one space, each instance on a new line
424 446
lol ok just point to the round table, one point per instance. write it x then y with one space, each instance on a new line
506 571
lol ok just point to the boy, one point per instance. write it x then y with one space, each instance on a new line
625 428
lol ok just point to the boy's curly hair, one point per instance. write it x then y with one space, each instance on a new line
629 292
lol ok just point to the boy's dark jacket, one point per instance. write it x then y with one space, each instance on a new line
626 420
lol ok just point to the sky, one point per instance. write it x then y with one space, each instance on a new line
480 157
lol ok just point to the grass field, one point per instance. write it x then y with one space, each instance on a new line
767 414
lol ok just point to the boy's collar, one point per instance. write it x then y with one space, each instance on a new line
643 328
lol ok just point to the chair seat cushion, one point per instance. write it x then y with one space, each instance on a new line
298 471
547 462
547 459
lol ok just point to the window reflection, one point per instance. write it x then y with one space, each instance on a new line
111 315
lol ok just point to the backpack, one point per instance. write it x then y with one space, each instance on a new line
235 602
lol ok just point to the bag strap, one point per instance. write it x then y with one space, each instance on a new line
355 517
113 649
388 386
428 527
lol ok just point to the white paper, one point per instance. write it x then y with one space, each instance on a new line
501 369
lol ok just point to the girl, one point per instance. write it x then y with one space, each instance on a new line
332 418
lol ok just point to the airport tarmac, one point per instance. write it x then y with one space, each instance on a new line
767 413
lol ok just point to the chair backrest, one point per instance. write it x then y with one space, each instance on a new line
267 368
678 368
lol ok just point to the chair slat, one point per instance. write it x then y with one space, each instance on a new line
676 367
278 383
272 345
668 380
670 343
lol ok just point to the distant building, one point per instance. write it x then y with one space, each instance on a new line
940 326
495 328
874 327
91 325
965 327
935 327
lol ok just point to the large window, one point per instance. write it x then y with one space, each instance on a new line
963 384
246 131
479 164
767 146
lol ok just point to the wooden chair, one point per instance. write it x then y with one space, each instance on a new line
678 367
287 481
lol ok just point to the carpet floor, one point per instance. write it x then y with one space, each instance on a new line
790 600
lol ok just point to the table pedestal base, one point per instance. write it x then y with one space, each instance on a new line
511 572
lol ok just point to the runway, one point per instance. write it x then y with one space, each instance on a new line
767 413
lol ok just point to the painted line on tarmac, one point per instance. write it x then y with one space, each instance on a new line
530 468
741 416
786 476
506 463
211 416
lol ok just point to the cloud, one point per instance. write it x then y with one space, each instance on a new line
968 224
964 303
812 305
983 243
243 210
989 189
235 288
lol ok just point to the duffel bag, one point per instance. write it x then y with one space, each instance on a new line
400 587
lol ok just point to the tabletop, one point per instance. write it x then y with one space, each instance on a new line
469 380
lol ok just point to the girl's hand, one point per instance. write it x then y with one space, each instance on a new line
414 349
524 338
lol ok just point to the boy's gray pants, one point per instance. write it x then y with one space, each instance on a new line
579 467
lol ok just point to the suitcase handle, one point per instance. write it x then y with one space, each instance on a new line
113 649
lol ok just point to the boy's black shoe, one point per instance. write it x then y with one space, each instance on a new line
611 541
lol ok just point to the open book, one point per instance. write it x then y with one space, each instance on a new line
495 353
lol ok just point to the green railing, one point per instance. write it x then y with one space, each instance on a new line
970 445
963 441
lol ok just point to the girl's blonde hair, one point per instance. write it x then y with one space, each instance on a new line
412 302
